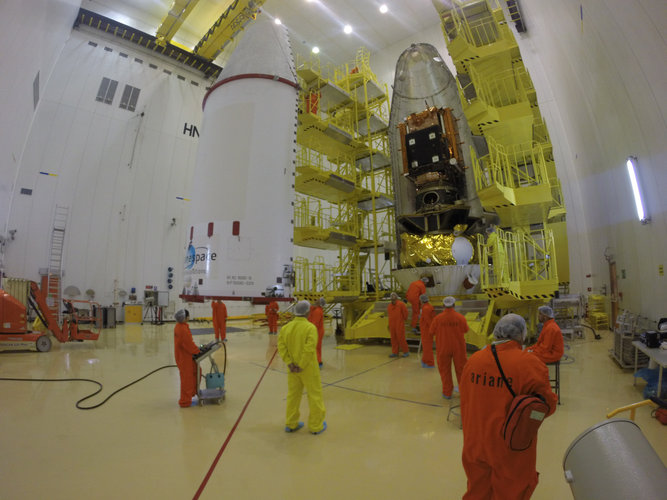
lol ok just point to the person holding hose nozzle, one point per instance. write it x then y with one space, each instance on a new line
297 345
184 349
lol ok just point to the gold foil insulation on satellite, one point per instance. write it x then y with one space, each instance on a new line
432 250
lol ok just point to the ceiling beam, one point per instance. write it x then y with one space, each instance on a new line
237 16
172 22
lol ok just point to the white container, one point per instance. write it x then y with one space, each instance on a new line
613 461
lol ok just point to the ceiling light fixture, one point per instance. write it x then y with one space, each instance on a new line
316 50
384 9
277 21
347 29
631 163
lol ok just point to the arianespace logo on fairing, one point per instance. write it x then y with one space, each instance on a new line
198 255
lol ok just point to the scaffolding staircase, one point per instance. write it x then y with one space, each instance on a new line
515 173
56 246
344 191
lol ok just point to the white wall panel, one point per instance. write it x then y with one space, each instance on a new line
32 35
119 172
606 92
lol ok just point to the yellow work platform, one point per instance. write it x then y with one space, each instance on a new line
373 158
324 239
325 185
377 125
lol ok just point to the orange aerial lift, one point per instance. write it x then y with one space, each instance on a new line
14 320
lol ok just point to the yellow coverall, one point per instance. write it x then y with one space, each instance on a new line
297 344
499 257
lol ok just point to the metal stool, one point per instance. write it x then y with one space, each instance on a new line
453 407
555 382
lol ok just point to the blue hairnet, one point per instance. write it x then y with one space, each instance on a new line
511 326
546 310
322 301
423 298
302 308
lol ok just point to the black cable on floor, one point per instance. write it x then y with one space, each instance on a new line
595 334
78 403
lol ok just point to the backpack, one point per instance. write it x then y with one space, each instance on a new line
524 415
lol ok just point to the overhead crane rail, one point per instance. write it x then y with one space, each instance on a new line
178 54
237 16
172 22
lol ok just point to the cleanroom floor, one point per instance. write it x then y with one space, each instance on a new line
388 436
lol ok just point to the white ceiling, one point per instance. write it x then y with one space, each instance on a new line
316 22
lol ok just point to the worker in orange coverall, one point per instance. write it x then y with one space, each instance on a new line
448 327
271 311
184 349
549 346
416 289
397 312
316 317
494 471
425 319
219 319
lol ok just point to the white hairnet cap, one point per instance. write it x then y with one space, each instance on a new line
423 298
449 301
546 310
302 308
180 315
424 279
393 295
322 301
511 326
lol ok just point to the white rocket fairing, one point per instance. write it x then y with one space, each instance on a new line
240 233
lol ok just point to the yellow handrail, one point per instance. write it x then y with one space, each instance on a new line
631 408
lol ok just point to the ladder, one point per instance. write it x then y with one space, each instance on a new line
54 283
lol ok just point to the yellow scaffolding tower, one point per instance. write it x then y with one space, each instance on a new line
522 266
344 177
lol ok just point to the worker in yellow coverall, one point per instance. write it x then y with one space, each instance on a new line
297 345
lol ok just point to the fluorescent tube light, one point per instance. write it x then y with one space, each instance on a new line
634 182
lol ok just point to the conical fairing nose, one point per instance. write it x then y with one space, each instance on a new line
264 49
420 72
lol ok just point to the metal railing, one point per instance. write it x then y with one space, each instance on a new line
517 257
311 213
513 166
499 89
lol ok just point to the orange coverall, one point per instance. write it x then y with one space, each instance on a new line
271 311
184 348
415 290
549 346
425 320
448 327
493 470
219 319
397 314
316 317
